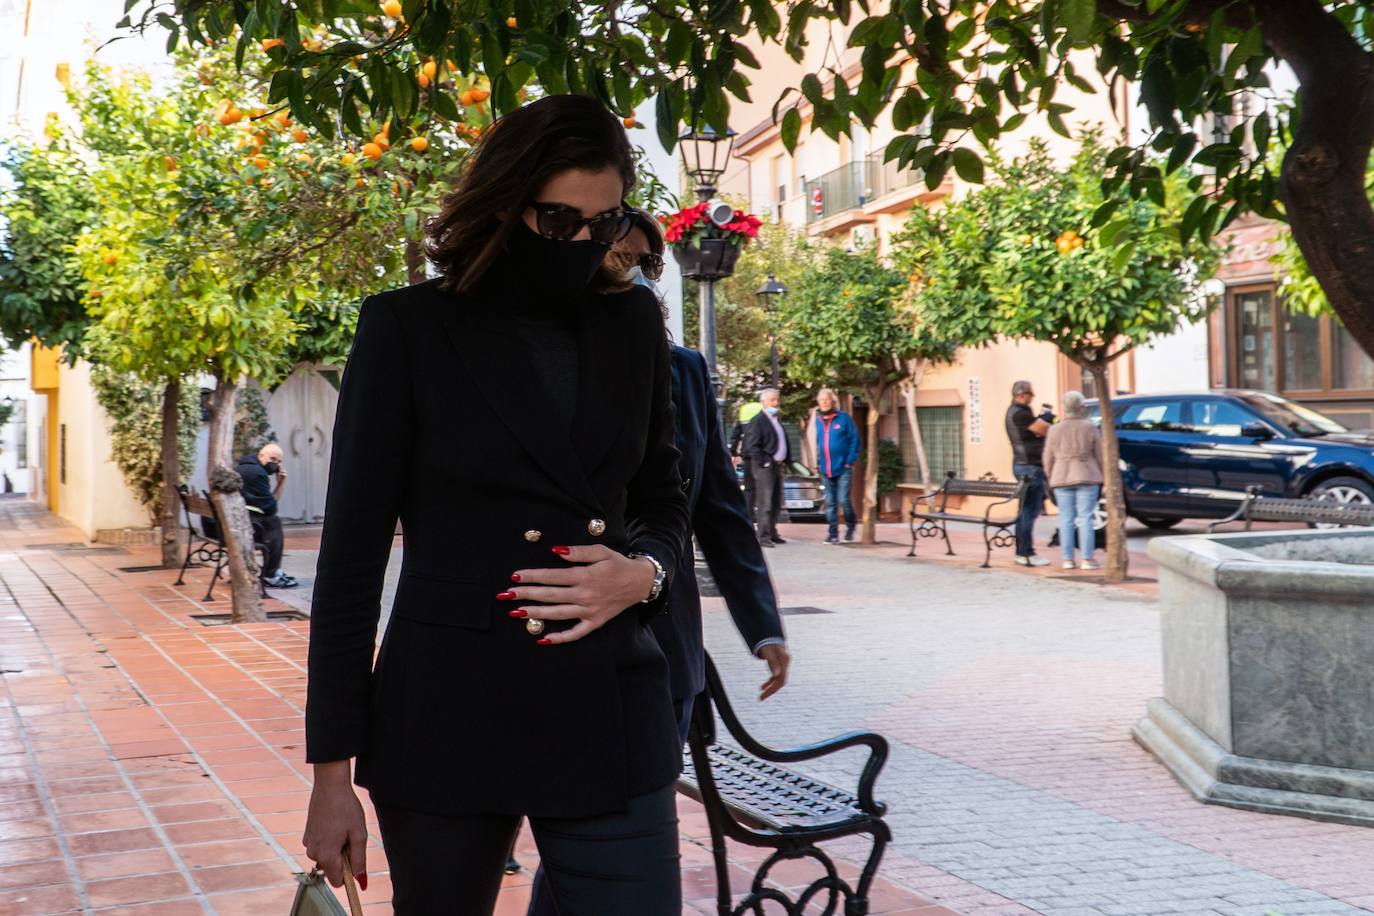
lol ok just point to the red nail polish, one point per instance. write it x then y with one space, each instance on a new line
561 550
515 577
362 880
519 612
544 642
506 596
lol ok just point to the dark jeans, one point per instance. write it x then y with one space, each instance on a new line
621 864
267 531
839 489
768 499
1032 504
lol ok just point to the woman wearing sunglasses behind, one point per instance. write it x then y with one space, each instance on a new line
541 518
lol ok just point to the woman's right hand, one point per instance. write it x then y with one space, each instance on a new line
335 824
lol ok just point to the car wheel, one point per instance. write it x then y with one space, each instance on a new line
1158 523
1350 490
1100 516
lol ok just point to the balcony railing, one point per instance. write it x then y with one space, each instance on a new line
854 184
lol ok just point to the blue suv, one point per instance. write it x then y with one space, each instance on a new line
1194 455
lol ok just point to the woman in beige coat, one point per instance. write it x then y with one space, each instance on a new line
1073 466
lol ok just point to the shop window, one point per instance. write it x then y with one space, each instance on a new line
1255 324
942 434
1352 369
1302 352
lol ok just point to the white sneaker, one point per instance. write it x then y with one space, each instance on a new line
1089 564
1069 564
1032 561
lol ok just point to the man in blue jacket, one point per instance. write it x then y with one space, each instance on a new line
837 449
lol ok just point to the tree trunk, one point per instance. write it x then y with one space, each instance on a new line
1323 175
415 262
915 370
170 509
226 492
875 398
1117 567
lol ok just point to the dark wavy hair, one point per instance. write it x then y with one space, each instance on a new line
516 156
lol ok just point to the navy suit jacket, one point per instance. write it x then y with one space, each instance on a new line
720 521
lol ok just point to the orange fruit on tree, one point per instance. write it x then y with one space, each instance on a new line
513 23
423 81
382 141
299 135
419 144
630 121
270 43
480 95
282 118
372 151
392 8
465 97
109 258
348 158
170 163
304 157
262 162
94 294
429 68
359 183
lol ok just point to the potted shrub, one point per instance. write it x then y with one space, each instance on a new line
705 250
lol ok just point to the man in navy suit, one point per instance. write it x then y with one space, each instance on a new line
720 521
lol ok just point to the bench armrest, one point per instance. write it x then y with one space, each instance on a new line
987 513
930 497
876 744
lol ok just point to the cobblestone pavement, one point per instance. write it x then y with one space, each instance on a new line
1014 784
151 765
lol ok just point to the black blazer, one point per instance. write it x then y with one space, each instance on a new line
761 441
441 423
722 526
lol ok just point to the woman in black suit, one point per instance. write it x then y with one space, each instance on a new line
541 519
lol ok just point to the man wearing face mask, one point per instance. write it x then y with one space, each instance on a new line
766 446
261 497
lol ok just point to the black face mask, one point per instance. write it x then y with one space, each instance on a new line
272 467
552 267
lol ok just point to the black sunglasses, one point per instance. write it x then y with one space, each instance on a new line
561 222
651 266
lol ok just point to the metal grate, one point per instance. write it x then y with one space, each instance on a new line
219 620
77 547
942 433
803 609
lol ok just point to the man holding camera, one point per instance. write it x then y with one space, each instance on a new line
1027 432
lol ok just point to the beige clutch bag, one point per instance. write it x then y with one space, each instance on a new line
314 898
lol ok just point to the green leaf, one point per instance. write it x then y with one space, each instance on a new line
968 165
791 127
1078 17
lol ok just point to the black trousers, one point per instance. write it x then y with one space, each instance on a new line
267 531
622 864
768 499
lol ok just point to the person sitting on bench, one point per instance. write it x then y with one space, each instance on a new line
261 497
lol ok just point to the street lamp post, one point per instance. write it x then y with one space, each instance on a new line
705 153
772 287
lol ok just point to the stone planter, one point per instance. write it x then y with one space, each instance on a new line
1268 671
713 260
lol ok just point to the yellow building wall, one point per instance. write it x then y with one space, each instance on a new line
94 495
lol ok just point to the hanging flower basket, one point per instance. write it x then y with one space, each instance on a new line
712 259
704 250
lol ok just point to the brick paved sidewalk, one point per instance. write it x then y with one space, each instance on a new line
152 765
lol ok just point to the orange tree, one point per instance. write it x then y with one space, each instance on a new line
228 240
1018 259
981 68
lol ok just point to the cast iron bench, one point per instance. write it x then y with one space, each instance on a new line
997 531
750 798
205 544
1308 510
